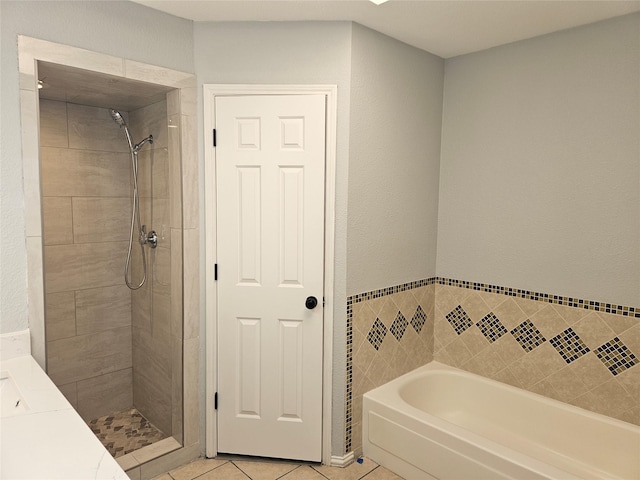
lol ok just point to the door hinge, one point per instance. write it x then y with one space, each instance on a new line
215 142
215 272
215 401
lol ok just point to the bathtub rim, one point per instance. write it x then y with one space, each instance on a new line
388 397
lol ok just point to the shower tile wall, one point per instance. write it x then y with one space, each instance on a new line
153 338
576 354
390 332
85 189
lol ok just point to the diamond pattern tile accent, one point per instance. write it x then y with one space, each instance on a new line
419 319
616 356
399 326
491 327
528 336
376 334
459 319
569 345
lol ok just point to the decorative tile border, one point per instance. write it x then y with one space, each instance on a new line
383 292
526 334
542 297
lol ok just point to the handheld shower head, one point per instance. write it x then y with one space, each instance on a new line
117 117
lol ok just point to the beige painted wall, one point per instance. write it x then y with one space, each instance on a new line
540 164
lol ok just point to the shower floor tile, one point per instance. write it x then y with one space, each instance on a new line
124 432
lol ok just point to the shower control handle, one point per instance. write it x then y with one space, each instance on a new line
152 239
311 303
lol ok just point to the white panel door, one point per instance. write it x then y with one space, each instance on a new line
270 164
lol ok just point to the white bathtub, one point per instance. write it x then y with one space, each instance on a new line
444 423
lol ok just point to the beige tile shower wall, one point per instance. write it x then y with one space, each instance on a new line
392 335
153 340
519 348
85 187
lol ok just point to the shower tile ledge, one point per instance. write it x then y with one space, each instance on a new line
45 437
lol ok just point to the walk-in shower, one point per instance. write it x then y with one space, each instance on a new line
144 238
114 346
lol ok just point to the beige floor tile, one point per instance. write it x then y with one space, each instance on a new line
265 470
164 476
228 471
355 471
196 468
303 472
382 473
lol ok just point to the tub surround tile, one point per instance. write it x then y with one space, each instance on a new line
593 330
388 334
630 380
551 347
474 340
528 336
569 345
459 319
544 343
547 321
616 356
590 370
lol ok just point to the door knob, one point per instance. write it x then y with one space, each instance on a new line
311 303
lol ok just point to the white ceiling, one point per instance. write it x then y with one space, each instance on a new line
446 28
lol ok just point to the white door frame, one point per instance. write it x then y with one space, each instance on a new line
210 91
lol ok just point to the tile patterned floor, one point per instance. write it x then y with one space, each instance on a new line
261 469
124 432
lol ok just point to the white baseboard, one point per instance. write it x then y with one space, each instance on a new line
342 461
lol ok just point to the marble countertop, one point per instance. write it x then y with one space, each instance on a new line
41 436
